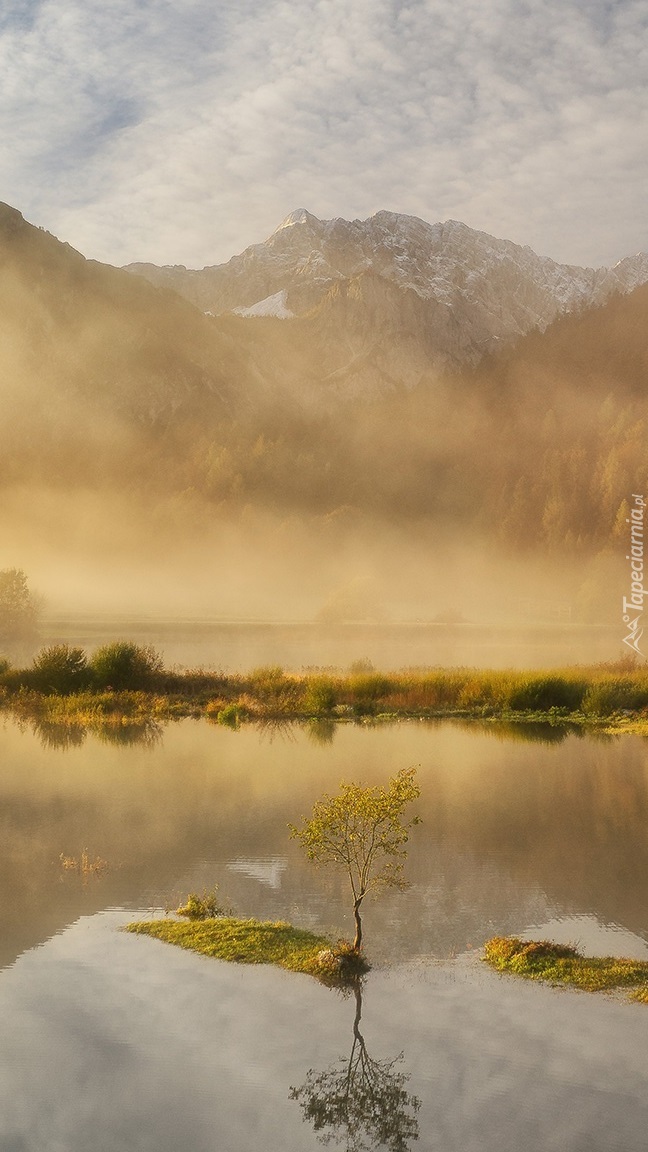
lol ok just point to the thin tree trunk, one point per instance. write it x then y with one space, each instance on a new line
357 989
357 943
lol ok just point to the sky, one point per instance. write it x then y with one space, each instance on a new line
181 131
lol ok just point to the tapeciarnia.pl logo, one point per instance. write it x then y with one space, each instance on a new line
635 602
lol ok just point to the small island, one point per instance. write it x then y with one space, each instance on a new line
258 942
564 965
362 832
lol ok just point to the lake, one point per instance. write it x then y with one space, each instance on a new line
114 1042
240 646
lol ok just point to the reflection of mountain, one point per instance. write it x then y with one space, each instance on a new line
358 1102
269 872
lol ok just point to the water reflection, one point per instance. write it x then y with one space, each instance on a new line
59 736
268 872
111 1041
514 833
321 732
65 736
271 728
528 733
148 734
359 1102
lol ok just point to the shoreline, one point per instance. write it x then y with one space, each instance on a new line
606 699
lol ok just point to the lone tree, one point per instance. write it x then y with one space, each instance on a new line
362 831
19 608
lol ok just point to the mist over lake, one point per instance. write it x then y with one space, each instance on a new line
516 837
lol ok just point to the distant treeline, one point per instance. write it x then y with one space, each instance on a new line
123 680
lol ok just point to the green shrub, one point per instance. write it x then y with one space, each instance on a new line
205 907
608 696
437 690
242 941
564 964
229 716
272 692
365 692
320 697
125 665
59 669
544 692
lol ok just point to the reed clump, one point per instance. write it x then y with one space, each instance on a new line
83 865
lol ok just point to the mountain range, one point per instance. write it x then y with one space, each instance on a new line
340 373
464 292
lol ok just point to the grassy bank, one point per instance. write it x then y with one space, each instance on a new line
564 965
63 686
249 942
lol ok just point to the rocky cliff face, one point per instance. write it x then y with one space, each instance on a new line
494 291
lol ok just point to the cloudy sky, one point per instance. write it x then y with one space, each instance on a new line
180 131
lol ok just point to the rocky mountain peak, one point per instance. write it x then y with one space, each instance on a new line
299 216
496 288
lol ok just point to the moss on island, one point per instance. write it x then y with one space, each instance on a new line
258 942
562 964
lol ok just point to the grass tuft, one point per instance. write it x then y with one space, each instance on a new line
564 965
204 907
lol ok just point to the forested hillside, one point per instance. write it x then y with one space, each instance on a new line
342 421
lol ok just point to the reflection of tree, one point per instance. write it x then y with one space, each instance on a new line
321 731
525 732
271 727
359 1102
59 736
148 733
63 736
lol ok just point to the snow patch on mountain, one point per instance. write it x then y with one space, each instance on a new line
299 216
274 305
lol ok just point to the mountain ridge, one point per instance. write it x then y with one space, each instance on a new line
505 288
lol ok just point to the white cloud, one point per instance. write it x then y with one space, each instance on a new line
181 132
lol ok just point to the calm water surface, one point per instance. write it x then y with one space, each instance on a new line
115 1042
240 646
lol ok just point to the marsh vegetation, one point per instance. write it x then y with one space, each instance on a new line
125 684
